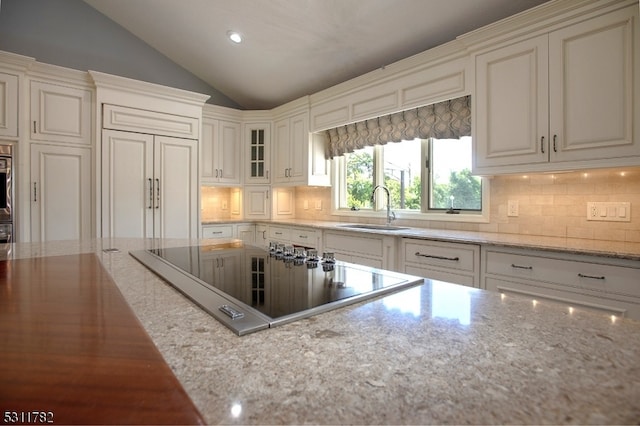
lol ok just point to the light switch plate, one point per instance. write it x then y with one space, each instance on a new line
609 211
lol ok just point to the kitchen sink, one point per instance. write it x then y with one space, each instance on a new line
374 227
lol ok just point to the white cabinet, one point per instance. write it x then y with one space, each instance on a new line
243 231
221 158
378 251
60 193
257 153
562 100
438 260
261 235
60 113
8 105
149 186
291 137
257 202
598 283
299 157
246 232
299 236
218 231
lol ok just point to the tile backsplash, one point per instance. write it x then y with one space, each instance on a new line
553 204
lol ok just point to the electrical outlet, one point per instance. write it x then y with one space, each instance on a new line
513 208
606 211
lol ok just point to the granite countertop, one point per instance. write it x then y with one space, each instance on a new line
436 353
612 249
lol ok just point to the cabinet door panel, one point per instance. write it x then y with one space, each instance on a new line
128 202
207 150
59 113
591 88
229 153
8 105
61 202
257 202
298 162
281 149
175 171
511 104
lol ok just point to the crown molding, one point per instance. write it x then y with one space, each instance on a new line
537 20
143 88
15 62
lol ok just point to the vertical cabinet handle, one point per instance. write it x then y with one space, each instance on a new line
220 172
150 193
157 193
267 193
34 127
555 149
542 144
267 174
35 192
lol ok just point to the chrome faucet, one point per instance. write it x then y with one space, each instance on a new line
390 215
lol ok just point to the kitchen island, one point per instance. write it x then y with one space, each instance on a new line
436 353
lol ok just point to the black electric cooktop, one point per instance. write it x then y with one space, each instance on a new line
251 288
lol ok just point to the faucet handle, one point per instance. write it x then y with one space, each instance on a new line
392 216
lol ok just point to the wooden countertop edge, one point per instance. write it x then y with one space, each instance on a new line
75 350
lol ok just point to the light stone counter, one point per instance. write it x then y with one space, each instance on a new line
436 353
612 249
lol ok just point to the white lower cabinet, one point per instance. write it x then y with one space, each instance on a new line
262 235
377 251
451 262
295 235
61 204
217 231
149 186
243 231
604 284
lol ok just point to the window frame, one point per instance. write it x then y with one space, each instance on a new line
339 194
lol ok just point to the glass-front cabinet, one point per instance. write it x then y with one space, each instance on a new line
257 155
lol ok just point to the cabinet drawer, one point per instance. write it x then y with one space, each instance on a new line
303 237
460 257
279 234
217 231
581 276
611 305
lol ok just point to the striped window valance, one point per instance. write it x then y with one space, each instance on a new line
444 120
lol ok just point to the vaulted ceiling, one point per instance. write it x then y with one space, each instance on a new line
292 48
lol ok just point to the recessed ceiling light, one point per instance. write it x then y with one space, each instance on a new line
234 36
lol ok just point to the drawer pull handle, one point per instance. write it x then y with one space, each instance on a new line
593 277
513 265
453 259
302 236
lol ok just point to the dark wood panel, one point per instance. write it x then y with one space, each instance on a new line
71 345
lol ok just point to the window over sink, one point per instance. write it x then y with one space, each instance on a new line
427 178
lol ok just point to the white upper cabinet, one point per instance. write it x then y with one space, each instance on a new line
60 113
8 105
257 138
220 154
291 145
563 100
298 156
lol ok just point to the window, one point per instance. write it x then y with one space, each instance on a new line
423 176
